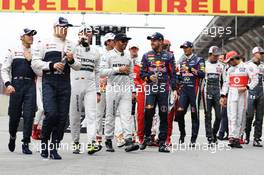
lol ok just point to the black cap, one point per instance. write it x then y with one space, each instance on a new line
156 36
28 31
62 22
121 36
187 44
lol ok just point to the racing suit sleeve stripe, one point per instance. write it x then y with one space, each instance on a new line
97 72
6 69
37 63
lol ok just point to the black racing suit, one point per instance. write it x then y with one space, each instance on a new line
256 104
214 71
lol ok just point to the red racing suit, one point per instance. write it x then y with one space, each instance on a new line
140 85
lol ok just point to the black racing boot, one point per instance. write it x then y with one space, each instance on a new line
109 146
55 155
220 136
163 148
25 148
215 139
247 140
93 148
193 142
256 143
44 153
76 148
181 139
130 146
145 143
210 141
237 144
231 142
53 151
12 144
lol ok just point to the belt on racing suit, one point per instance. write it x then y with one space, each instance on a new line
22 78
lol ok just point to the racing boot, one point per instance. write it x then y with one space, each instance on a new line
54 151
247 140
210 141
130 146
237 144
193 142
145 143
109 146
181 139
76 148
44 153
12 144
256 143
163 148
215 139
25 148
93 148
231 142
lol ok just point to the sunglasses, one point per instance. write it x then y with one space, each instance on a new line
124 41
234 58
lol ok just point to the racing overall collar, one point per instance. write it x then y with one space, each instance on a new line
188 57
256 62
213 62
119 53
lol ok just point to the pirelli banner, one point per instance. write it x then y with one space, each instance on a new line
165 7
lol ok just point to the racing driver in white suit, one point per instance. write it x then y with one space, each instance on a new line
85 92
236 85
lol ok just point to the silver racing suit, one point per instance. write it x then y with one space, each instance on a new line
118 93
85 85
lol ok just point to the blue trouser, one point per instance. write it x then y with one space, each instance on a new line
224 122
212 98
56 103
22 103
189 96
255 106
159 97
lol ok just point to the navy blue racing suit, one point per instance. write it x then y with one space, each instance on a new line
191 72
56 86
22 102
163 66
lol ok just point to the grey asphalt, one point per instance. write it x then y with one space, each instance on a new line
220 161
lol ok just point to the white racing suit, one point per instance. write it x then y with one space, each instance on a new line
118 93
85 85
238 77
101 106
40 112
